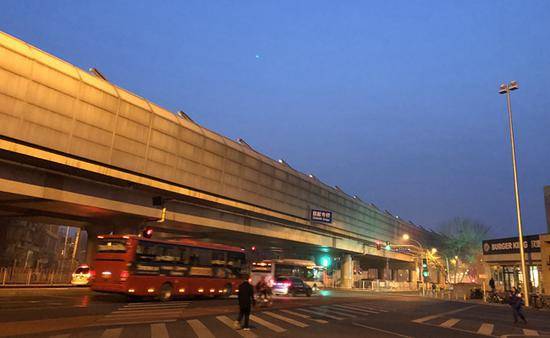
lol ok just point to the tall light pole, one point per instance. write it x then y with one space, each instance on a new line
406 237
506 89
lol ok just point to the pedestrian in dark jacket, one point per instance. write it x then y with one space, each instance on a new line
516 303
246 300
492 285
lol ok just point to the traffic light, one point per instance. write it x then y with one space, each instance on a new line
425 271
147 232
325 261
378 245
388 246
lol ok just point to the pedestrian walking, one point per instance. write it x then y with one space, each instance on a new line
246 300
492 285
516 303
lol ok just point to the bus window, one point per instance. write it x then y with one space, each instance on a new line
235 263
218 263
290 270
112 246
146 255
200 260
181 265
170 253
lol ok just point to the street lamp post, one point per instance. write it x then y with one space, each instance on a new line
406 237
506 89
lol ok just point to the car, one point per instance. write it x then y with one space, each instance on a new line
291 286
82 276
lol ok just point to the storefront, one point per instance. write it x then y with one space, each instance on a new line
503 258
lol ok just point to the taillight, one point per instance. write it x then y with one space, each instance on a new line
287 284
124 275
92 273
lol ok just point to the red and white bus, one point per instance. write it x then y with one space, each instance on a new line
138 266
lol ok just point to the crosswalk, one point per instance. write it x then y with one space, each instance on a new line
264 323
478 326
138 313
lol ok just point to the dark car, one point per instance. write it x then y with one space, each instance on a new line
291 286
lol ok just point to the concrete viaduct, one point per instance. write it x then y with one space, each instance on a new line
77 150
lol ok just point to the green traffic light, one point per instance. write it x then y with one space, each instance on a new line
325 261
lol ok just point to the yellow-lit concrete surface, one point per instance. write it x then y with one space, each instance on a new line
68 122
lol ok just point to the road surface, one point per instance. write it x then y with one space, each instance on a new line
69 312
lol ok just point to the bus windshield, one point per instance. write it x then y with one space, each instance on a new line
109 245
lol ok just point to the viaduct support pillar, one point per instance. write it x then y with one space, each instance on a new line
347 272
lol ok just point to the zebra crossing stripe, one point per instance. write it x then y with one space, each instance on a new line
362 308
159 330
321 314
200 330
143 314
368 307
267 324
529 332
301 315
341 312
486 329
164 306
425 319
286 319
112 333
229 322
156 304
353 308
449 323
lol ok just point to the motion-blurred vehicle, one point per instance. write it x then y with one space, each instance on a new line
290 285
82 276
143 267
269 270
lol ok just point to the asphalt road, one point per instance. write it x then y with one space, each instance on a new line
69 312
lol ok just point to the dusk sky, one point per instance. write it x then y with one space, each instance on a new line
394 101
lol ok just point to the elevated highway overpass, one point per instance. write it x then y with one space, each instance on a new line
77 150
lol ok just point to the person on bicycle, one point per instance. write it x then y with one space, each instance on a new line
262 289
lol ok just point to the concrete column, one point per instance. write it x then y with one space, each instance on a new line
347 272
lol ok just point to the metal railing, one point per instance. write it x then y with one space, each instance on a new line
24 276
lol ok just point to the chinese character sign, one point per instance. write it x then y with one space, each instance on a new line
321 216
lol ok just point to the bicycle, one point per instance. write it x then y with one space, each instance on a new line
539 301
495 298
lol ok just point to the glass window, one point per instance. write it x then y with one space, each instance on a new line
236 263
168 253
147 252
200 257
82 270
218 258
112 245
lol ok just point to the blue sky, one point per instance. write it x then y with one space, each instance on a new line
395 101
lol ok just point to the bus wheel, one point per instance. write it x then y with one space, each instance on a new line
165 293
